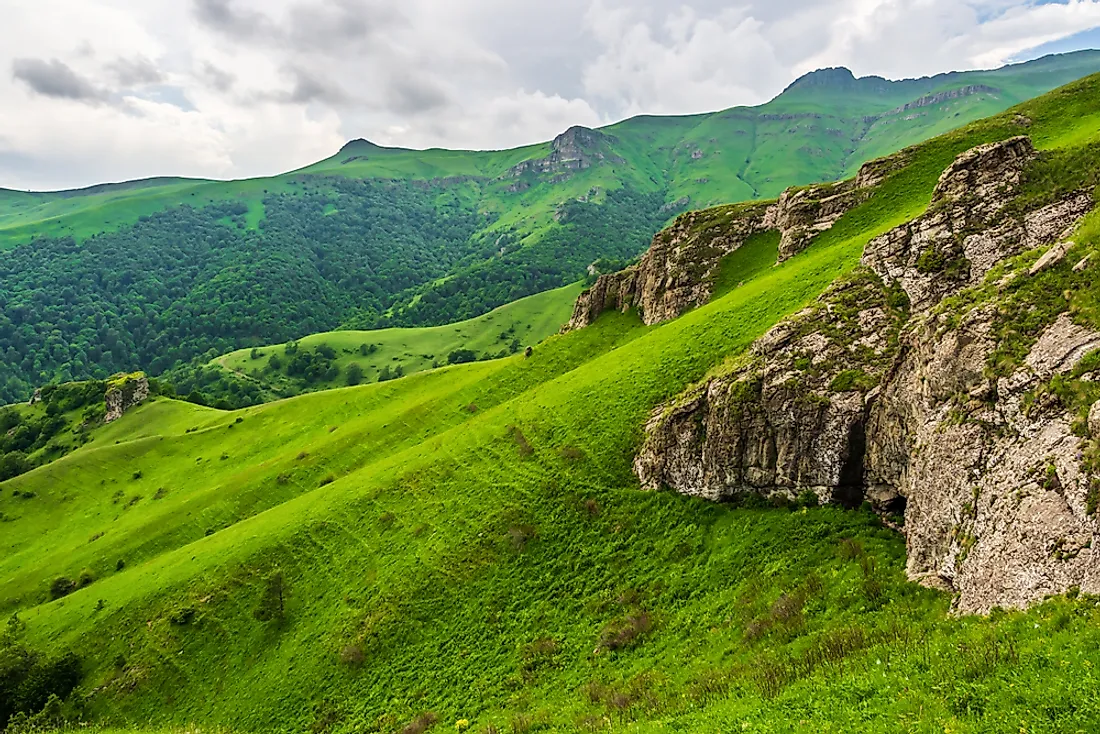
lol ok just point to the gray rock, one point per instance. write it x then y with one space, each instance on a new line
123 393
678 271
993 482
1051 257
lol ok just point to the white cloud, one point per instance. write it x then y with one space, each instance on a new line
95 90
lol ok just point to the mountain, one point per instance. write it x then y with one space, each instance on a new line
157 273
889 380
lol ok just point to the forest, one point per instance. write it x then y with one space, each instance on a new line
181 286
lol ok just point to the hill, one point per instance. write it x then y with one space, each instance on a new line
385 558
338 358
152 274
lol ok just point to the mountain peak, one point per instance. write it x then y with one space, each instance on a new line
836 78
359 144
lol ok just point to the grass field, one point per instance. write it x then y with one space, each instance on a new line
469 544
519 324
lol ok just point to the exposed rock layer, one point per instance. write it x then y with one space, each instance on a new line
857 399
123 393
678 271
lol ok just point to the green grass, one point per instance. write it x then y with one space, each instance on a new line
471 541
527 321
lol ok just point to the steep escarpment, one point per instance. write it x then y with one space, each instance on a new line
953 377
679 270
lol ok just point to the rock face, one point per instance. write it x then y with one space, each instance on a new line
575 149
678 271
123 393
792 417
914 409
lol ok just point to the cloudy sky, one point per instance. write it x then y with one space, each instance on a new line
106 90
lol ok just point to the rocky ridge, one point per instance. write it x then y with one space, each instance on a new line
895 389
574 150
678 271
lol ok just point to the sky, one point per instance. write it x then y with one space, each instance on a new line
109 90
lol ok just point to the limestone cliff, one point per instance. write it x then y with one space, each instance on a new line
124 391
948 378
678 271
575 149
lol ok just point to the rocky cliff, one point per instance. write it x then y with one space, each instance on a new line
575 149
124 391
678 271
951 378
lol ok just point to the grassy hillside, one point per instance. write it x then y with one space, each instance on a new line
151 274
369 356
468 544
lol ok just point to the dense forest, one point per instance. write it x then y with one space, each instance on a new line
618 229
184 284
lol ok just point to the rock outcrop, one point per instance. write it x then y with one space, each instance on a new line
791 417
575 149
124 392
678 271
922 409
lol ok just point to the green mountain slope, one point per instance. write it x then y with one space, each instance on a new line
338 358
149 274
382 558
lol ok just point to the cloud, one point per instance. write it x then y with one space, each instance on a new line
230 88
136 71
56 79
225 17
217 79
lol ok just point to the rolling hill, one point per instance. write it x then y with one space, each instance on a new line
153 274
468 548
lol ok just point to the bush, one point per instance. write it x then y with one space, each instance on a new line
461 356
62 587
421 723
354 374
86 578
272 604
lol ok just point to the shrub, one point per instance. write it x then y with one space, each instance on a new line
272 604
421 723
327 480
352 656
353 375
86 578
624 632
61 587
461 356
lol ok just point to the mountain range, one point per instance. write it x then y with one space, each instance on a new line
161 273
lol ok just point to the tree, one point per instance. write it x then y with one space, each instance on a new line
461 356
354 374
272 606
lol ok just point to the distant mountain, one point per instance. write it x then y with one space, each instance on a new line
147 274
